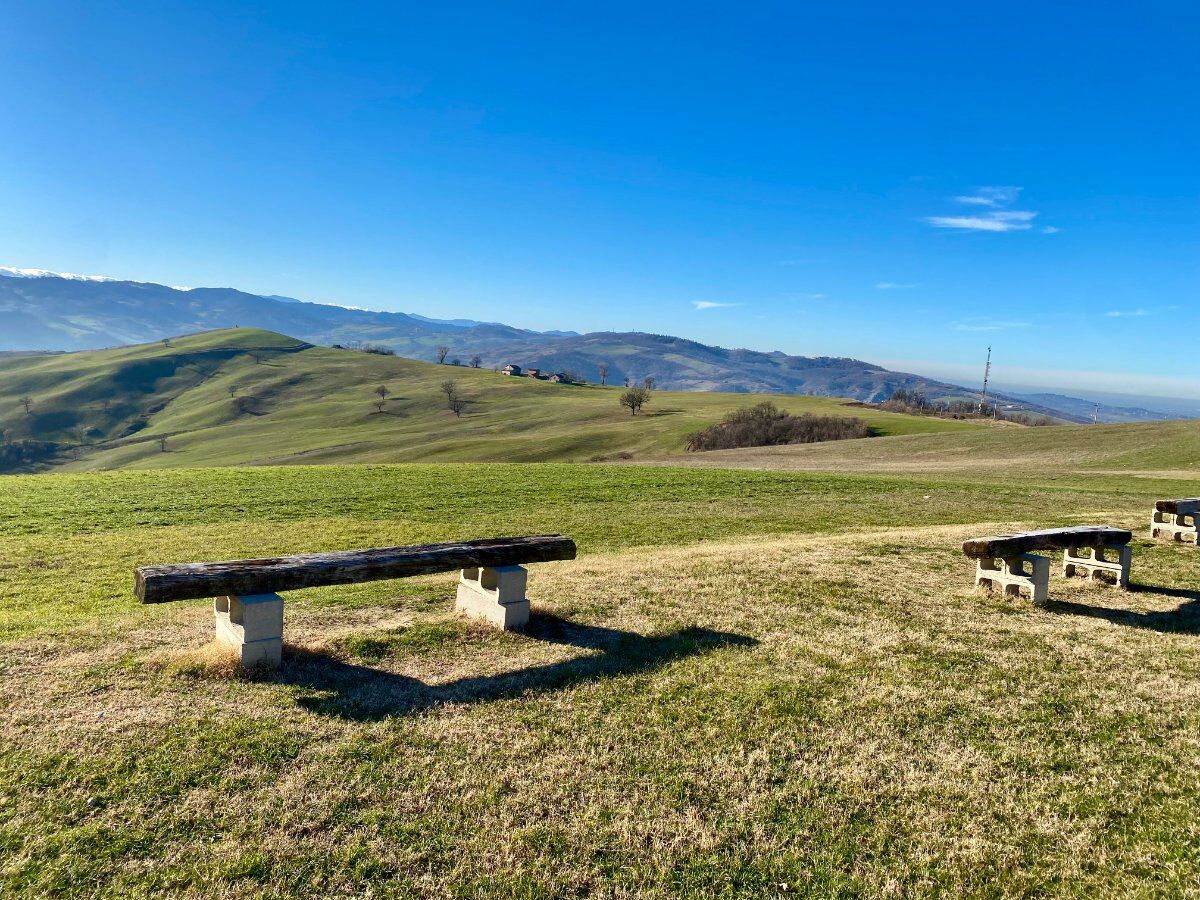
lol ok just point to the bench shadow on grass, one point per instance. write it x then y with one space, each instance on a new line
1184 619
351 691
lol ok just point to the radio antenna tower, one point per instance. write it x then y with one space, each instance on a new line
987 372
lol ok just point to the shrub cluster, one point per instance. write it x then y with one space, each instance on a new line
765 425
16 456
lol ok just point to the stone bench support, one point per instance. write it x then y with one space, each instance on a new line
249 610
1179 526
496 595
253 627
1078 561
1026 572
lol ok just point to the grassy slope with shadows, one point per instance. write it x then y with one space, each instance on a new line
747 680
252 397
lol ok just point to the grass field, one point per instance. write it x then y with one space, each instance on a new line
749 684
1146 448
246 397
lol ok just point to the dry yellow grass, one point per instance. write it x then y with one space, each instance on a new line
832 715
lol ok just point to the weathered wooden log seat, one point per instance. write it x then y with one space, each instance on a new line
1177 520
1009 561
249 610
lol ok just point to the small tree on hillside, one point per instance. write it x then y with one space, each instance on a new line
449 387
382 392
648 382
476 362
26 402
603 370
162 443
457 405
634 399
442 353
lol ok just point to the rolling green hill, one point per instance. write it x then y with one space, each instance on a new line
244 396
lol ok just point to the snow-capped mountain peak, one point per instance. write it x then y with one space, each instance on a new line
14 272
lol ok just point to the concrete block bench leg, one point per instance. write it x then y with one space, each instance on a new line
1013 576
253 627
1181 527
497 595
1100 561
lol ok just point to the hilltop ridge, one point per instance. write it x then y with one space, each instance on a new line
42 311
248 396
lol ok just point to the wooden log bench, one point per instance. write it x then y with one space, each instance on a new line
1177 520
1009 562
249 610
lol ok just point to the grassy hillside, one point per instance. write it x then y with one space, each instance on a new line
244 396
749 684
1143 447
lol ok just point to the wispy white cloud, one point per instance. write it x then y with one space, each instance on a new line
990 196
895 285
997 220
1127 313
995 215
712 304
987 325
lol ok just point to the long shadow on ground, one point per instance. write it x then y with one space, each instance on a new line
1184 619
350 691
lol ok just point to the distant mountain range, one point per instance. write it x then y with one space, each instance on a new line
42 310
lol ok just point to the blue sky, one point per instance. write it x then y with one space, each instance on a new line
904 183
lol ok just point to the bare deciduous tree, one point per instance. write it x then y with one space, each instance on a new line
382 392
449 387
603 369
162 443
457 405
476 362
442 353
233 389
26 402
634 399
648 382
258 357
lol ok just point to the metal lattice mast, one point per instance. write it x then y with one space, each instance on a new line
987 372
